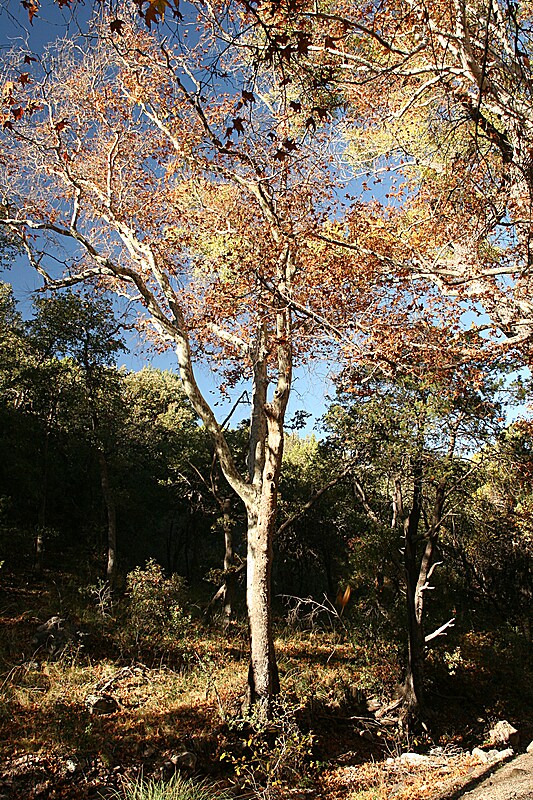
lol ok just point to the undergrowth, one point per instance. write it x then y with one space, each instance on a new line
179 686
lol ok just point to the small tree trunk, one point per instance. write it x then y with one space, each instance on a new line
41 519
111 570
414 676
229 563
417 583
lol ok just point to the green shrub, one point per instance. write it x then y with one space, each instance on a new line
275 752
155 616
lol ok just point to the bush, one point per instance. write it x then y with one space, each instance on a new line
275 752
155 618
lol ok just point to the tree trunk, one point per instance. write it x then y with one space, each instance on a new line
414 676
263 679
229 563
417 583
41 517
111 570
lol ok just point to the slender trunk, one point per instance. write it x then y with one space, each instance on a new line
418 576
41 517
414 677
259 491
265 469
229 563
111 571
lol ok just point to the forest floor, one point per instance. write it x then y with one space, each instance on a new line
335 733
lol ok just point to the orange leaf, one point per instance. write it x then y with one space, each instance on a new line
344 597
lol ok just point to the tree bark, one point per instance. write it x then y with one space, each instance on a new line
229 563
414 676
263 679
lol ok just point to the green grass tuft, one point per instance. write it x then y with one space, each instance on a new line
178 788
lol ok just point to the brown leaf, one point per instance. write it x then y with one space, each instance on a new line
155 11
238 125
61 125
323 113
303 40
343 597
17 113
29 59
116 26
248 97
24 78
295 106
289 145
33 106
32 7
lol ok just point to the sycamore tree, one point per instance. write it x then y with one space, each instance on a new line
189 180
438 118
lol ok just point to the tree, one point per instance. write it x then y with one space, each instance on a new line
161 503
70 326
491 537
411 438
201 201
437 118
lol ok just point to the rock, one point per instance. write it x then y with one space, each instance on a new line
504 733
185 761
502 755
529 748
101 704
72 765
54 634
415 759
480 754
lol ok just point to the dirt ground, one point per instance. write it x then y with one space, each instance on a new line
512 781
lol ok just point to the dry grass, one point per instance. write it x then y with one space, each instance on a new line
193 696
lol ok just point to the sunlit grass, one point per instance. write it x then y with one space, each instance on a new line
178 788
